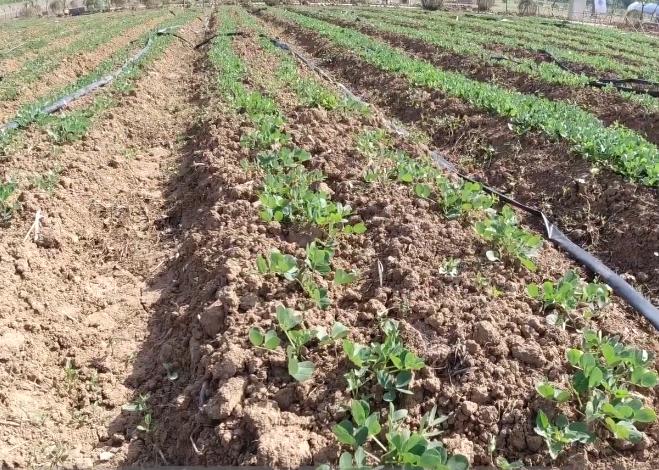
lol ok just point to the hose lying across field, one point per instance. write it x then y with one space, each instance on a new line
552 232
65 101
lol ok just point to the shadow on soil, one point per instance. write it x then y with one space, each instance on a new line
165 368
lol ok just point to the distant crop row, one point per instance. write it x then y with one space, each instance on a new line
613 41
617 147
99 33
457 41
524 37
69 126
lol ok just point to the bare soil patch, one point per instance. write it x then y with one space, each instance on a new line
72 313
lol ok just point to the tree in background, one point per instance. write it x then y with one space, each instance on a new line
56 7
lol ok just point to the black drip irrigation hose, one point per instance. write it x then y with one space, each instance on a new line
66 100
644 87
210 38
621 287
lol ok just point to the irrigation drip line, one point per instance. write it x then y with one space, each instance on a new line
66 100
229 34
621 287
645 87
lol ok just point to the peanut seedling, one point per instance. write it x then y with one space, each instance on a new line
604 371
390 363
568 296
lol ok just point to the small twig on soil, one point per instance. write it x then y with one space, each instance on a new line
10 423
162 456
202 396
34 227
194 446
380 272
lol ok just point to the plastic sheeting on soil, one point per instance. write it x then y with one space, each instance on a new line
552 232
648 8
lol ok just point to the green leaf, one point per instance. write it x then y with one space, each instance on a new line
422 190
339 331
457 462
359 228
345 461
361 434
624 430
359 411
578 431
528 264
580 382
595 377
587 362
343 432
648 379
533 290
431 458
360 456
645 415
573 356
287 318
413 362
300 371
255 336
546 390
262 265
272 341
373 424
342 277
541 420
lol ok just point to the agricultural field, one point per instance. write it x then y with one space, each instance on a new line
271 240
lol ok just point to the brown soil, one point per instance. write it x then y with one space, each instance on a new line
233 405
75 66
609 107
146 264
77 294
598 209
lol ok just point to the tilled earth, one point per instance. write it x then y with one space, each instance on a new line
143 283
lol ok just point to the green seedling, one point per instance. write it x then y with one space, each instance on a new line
562 434
390 364
568 296
503 464
459 199
319 258
317 293
508 238
71 372
450 267
69 128
402 447
48 181
141 406
283 159
605 371
279 264
342 277
337 332
316 96
269 133
372 143
7 207
298 337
